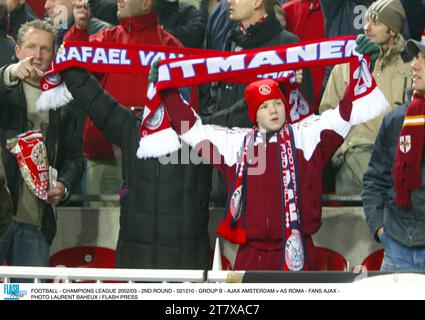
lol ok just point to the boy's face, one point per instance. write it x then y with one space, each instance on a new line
271 115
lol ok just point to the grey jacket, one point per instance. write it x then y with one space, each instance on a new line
406 225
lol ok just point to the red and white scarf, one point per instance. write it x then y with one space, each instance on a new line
232 227
194 68
407 168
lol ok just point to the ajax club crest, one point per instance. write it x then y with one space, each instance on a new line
155 121
294 251
265 89
235 203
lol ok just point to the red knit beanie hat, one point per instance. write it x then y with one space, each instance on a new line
259 91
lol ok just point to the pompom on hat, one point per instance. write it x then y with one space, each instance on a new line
259 91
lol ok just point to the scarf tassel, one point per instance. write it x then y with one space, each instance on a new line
235 235
54 98
408 178
407 170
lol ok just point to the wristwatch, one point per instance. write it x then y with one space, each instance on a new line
65 194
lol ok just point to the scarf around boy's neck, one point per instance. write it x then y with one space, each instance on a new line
232 226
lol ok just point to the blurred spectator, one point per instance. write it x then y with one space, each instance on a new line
19 13
280 14
205 7
415 18
7 45
393 76
38 7
60 14
26 239
138 24
344 17
218 27
183 21
105 10
258 27
305 19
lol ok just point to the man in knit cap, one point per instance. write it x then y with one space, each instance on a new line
393 193
384 21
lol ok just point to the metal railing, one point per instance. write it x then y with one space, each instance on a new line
63 274
351 199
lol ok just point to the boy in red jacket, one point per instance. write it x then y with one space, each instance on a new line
274 172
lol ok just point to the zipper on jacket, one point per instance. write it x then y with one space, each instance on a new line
265 192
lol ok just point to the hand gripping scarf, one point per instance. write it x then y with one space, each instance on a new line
182 67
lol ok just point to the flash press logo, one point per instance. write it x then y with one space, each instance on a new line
13 292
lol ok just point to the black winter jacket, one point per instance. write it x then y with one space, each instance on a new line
183 21
105 10
19 17
164 213
63 143
406 225
7 49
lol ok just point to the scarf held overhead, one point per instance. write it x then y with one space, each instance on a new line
182 67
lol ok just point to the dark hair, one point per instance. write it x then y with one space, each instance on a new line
3 17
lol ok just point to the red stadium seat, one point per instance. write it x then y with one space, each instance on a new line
84 257
330 260
373 261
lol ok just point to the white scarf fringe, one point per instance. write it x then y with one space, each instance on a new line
158 144
54 98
